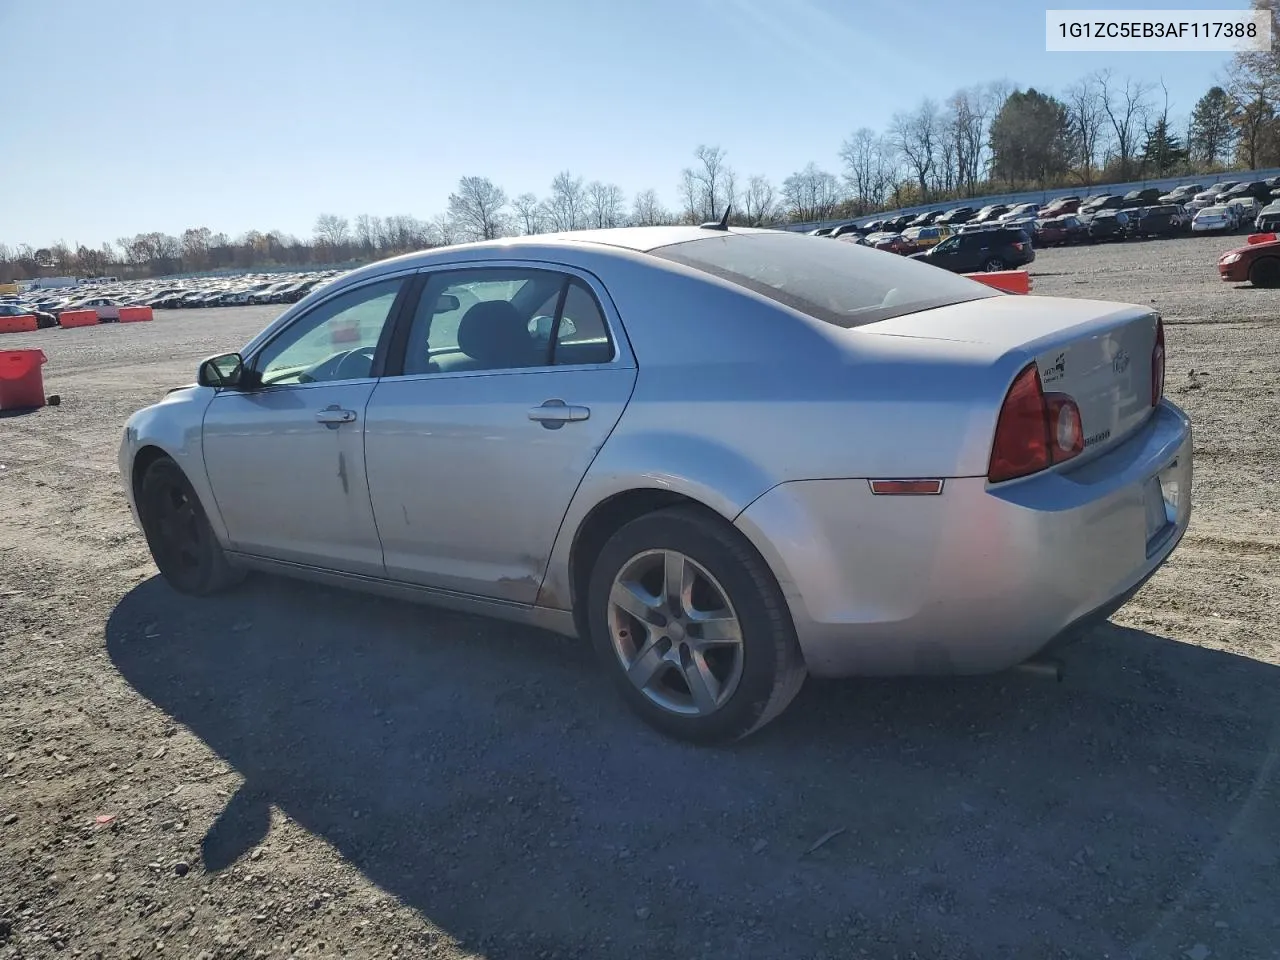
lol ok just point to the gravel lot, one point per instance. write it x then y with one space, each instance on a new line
291 770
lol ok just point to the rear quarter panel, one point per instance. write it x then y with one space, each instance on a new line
736 394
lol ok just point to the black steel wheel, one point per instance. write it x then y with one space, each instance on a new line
178 533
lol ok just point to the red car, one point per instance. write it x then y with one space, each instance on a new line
1259 262
1059 231
1061 207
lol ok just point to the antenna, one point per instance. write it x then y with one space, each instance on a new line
721 224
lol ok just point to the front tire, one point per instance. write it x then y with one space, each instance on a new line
178 532
1265 272
691 625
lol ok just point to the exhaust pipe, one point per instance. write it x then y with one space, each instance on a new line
1049 668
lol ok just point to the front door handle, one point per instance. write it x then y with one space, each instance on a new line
335 415
556 413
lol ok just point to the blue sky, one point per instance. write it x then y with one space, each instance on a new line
124 116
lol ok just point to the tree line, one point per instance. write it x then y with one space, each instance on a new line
981 140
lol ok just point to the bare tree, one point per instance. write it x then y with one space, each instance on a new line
531 214
1126 109
1086 115
729 196
707 186
444 229
567 205
478 208
646 210
195 248
759 202
690 195
1253 83
368 232
332 230
964 134
811 194
606 204
915 136
868 168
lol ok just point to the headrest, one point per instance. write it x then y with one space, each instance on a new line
494 333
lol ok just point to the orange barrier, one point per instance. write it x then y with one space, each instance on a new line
1010 281
23 324
78 318
1260 238
134 314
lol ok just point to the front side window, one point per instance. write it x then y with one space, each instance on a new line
839 283
334 341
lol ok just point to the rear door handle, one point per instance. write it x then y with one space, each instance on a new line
335 415
556 413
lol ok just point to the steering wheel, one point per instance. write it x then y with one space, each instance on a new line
356 365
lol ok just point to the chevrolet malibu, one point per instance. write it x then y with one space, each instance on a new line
728 458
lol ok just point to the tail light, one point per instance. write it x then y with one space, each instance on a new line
1157 364
1017 245
1034 430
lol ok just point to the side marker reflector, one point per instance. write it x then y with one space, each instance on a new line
906 488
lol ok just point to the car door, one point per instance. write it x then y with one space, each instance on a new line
508 382
947 253
285 458
965 257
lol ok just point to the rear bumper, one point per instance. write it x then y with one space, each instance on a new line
978 578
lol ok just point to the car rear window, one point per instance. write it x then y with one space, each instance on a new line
841 283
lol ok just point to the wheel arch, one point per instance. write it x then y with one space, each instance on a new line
607 518
1269 263
147 454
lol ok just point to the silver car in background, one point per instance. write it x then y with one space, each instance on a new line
727 457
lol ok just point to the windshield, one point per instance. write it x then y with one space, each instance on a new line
840 283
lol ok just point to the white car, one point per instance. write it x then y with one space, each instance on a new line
106 309
1022 213
1215 220
1246 208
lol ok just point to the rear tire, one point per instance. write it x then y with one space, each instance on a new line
994 265
682 569
179 534
1265 272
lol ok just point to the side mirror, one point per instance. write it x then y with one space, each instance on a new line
446 303
223 372
540 327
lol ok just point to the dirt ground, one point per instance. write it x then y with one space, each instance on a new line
289 770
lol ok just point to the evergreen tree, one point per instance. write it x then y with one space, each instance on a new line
1212 127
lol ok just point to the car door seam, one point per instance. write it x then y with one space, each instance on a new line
546 566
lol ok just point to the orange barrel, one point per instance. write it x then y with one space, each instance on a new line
21 380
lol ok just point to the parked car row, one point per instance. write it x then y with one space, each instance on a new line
1071 220
107 297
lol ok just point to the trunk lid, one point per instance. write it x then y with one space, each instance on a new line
1096 352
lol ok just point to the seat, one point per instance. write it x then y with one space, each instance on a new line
493 336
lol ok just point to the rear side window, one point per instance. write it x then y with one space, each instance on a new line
844 284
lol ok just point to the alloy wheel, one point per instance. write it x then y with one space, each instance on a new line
675 632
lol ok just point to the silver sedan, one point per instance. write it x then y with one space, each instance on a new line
729 458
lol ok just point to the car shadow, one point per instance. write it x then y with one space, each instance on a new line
486 775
